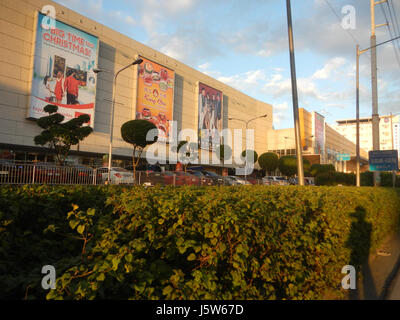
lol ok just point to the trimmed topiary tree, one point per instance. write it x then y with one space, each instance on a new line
250 156
288 165
268 161
224 152
59 136
135 132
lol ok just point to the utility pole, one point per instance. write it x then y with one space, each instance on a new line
300 170
358 117
359 52
374 82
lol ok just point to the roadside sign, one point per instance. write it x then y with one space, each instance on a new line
383 160
343 157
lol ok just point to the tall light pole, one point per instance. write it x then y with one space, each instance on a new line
358 114
247 125
137 61
300 169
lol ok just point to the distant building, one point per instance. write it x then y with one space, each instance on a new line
388 132
320 142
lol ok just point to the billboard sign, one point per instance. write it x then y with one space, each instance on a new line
209 117
319 133
383 160
63 70
155 96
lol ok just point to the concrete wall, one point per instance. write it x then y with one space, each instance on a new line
115 51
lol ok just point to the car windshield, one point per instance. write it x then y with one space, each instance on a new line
280 178
119 170
196 173
212 174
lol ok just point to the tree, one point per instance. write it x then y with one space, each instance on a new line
288 165
135 133
223 152
61 136
188 151
250 156
268 161
317 168
306 167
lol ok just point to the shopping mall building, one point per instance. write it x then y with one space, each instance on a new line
38 55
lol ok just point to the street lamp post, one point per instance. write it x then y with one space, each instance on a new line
247 125
137 61
300 169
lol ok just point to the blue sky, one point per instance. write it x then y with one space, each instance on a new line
244 44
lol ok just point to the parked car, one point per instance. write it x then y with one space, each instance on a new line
252 180
188 179
49 172
117 175
217 179
230 181
145 168
79 173
6 171
204 180
308 181
240 180
275 180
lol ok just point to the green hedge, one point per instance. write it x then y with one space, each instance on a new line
258 242
332 178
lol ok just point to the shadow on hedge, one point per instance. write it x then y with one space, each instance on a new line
359 241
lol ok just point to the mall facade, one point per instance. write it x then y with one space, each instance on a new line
39 56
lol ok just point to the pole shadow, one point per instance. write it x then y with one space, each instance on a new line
359 241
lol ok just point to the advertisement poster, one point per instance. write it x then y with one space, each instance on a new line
63 70
319 133
209 116
155 96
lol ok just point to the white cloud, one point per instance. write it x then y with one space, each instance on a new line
331 66
249 81
129 20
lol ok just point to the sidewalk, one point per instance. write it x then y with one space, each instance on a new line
394 291
381 276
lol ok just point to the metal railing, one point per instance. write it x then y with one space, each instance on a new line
15 173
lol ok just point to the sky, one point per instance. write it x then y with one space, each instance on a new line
244 44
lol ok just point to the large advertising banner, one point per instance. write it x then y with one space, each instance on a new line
155 96
209 117
63 70
319 133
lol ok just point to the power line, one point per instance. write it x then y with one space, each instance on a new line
395 15
396 25
391 35
347 30
340 21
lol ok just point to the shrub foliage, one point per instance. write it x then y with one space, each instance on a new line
263 242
